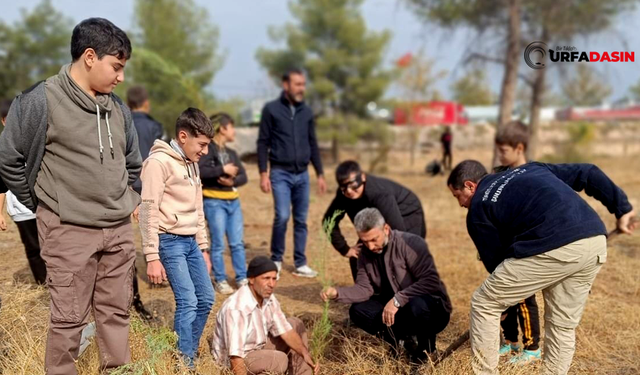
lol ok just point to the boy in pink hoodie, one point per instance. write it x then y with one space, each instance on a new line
174 237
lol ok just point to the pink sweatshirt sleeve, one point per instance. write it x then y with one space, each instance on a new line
153 179
201 235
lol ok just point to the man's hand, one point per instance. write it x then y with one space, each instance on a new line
626 223
265 183
329 293
136 214
3 224
315 366
389 313
322 185
155 272
354 251
207 260
226 181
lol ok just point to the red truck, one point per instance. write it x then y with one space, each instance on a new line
431 113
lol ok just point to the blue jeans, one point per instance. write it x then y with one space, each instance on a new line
225 217
290 190
187 273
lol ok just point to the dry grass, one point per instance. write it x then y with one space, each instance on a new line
607 340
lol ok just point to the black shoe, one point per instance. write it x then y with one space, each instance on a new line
139 307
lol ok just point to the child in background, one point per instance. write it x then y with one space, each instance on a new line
222 173
511 142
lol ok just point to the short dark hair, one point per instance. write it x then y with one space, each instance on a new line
287 75
136 96
5 104
221 120
512 134
345 169
195 122
468 170
103 36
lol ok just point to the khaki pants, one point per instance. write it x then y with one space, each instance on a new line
564 276
86 267
277 357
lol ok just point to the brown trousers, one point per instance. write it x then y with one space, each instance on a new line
86 267
277 357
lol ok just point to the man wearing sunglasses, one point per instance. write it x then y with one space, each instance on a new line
399 206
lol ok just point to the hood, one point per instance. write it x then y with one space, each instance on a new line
175 152
80 97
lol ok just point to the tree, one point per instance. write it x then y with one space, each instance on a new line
473 89
343 61
634 91
503 16
174 56
585 87
33 48
417 79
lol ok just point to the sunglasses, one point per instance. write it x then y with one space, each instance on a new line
353 184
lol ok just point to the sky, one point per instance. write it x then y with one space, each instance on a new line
243 26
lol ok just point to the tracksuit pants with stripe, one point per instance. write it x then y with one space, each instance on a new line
526 311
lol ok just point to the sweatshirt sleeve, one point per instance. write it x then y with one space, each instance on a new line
315 150
241 178
264 139
595 183
132 157
208 168
201 234
12 157
388 207
337 239
153 178
361 290
487 240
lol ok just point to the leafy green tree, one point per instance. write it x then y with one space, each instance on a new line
343 60
33 48
473 89
585 87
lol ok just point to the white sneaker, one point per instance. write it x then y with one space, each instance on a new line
242 283
279 267
305 271
223 287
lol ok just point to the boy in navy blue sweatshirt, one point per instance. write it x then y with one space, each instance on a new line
534 233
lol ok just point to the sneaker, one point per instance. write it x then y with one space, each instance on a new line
223 287
279 267
527 356
305 271
242 283
509 348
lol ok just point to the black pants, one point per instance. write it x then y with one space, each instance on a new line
527 312
415 223
29 236
423 316
446 158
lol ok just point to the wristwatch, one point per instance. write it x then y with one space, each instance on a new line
396 303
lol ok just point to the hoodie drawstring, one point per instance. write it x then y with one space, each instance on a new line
106 116
99 134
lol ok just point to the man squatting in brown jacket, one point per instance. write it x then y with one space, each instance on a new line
398 294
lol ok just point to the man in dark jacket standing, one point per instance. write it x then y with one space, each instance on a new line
147 128
399 206
398 293
287 139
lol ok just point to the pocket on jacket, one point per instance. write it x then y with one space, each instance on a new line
64 298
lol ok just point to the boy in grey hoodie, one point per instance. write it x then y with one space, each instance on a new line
70 153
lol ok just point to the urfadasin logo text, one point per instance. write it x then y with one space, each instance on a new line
536 53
